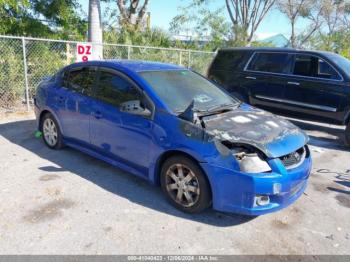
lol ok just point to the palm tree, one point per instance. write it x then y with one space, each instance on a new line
95 28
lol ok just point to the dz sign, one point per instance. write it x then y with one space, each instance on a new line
84 52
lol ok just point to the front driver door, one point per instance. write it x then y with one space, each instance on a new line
120 135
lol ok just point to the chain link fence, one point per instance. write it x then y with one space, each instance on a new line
24 62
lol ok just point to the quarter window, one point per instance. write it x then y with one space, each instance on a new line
271 62
81 80
115 90
325 70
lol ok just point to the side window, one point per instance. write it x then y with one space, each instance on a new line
115 90
82 80
313 66
65 76
271 62
303 65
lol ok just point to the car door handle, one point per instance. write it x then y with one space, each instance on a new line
294 83
250 77
97 114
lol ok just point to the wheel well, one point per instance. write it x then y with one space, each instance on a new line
172 153
42 114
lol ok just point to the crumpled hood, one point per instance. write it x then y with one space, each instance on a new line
271 134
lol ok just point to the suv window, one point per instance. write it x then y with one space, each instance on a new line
325 70
271 62
115 89
303 65
228 60
313 66
80 80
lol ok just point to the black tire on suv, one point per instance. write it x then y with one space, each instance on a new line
347 134
185 185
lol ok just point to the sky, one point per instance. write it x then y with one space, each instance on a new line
162 11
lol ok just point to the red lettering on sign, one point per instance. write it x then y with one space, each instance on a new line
84 58
88 51
81 50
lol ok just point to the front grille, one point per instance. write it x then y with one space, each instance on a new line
294 159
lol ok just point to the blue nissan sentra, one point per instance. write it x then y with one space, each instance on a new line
176 129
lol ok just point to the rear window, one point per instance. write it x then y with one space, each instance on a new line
229 60
271 62
81 80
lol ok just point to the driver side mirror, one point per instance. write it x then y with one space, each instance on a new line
134 107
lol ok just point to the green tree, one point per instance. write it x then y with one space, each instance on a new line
132 13
42 18
203 27
245 18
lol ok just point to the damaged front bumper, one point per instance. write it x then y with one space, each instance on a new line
238 192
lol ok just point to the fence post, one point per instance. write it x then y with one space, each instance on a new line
180 59
189 59
25 71
129 52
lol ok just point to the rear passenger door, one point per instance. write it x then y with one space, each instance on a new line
73 101
265 77
314 88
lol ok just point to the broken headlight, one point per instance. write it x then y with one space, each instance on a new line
250 162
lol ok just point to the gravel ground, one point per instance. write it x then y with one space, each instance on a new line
65 202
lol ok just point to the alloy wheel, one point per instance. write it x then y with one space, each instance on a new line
182 185
50 132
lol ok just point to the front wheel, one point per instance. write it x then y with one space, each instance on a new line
185 185
347 134
51 132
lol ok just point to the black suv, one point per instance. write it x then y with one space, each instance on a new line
312 85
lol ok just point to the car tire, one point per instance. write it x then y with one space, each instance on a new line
51 132
185 185
347 134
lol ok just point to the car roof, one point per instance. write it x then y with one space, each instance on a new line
274 49
131 65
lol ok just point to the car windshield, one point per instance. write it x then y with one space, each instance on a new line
178 88
341 61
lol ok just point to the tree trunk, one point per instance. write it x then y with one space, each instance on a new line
95 29
292 37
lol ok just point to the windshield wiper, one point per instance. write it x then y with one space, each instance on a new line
220 107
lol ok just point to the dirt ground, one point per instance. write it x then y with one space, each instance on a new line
65 202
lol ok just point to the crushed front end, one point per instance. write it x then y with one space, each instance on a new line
259 193
263 162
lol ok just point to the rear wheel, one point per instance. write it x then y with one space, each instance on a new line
185 185
347 134
51 132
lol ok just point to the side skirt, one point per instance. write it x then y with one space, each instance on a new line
108 160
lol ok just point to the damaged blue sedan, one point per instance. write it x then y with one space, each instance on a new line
176 129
